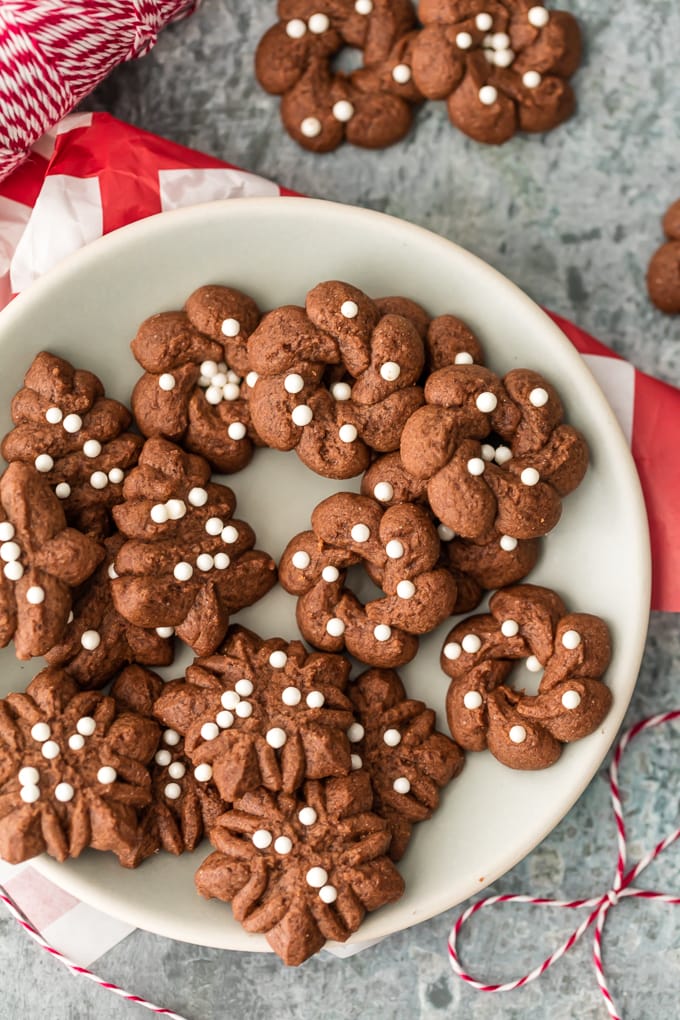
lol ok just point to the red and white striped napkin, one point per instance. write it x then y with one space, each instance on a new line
92 174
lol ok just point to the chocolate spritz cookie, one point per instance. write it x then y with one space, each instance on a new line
334 380
302 867
98 642
408 760
495 454
186 565
76 437
663 275
321 107
571 650
184 805
401 550
262 713
195 361
502 66
43 560
73 772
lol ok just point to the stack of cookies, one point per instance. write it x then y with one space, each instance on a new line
115 545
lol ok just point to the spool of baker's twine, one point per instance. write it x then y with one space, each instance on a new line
52 54
622 888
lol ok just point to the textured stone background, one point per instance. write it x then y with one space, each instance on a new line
572 217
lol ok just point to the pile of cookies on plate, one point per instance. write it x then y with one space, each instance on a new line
116 543
502 66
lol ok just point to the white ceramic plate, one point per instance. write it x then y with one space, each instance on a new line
87 310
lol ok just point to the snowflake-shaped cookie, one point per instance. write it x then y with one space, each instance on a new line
302 868
262 713
184 803
72 772
408 760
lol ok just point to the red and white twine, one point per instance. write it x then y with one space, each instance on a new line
75 968
52 54
622 888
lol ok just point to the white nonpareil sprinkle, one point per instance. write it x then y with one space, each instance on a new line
383 492
401 74
394 549
471 643
517 734
360 533
343 111
571 639
262 838
488 95
311 127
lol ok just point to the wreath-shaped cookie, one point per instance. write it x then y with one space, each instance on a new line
400 548
303 867
186 565
501 65
72 772
572 649
334 422
195 362
320 107
663 274
480 489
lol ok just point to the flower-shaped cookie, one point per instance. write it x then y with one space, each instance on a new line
302 868
98 641
502 65
187 564
72 772
75 437
479 489
572 649
195 362
184 804
333 423
663 275
42 561
400 548
262 713
370 107
408 760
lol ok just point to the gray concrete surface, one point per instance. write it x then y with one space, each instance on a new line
572 217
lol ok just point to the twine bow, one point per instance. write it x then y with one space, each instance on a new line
622 888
